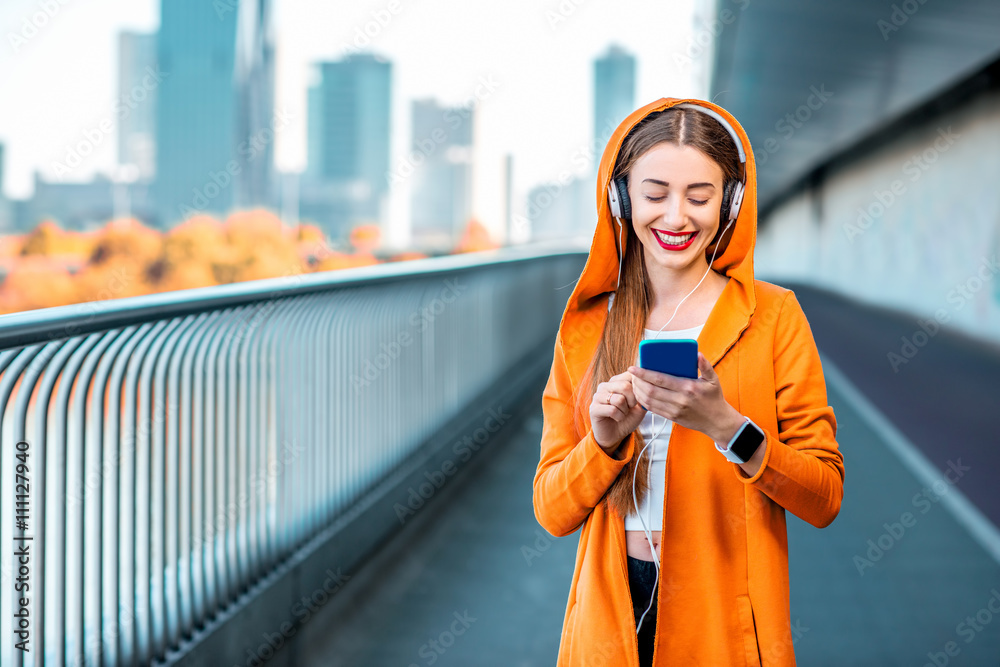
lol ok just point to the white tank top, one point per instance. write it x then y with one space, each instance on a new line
651 507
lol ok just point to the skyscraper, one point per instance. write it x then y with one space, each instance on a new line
441 193
256 121
214 117
6 212
614 93
137 86
561 209
348 165
566 208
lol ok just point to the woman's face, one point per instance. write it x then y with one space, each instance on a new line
676 196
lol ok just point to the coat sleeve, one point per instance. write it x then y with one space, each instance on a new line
573 474
803 469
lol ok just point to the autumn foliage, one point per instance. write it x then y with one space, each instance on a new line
366 238
475 238
37 282
52 267
48 240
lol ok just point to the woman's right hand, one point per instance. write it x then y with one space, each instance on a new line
615 412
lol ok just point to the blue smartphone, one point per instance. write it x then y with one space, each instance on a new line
675 356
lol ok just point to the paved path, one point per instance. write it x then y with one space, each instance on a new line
945 398
474 580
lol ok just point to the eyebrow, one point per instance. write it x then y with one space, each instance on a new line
690 187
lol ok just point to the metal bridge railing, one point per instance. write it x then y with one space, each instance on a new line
160 454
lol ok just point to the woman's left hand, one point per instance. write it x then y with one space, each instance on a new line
697 404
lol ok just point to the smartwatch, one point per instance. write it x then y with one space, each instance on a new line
743 445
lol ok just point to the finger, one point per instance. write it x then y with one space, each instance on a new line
621 402
607 411
655 398
665 380
644 395
609 398
624 387
707 371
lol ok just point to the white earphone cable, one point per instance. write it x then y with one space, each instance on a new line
646 531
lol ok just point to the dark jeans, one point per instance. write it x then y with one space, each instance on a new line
641 578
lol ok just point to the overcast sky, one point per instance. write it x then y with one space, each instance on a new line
60 81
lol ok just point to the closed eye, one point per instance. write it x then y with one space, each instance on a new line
697 202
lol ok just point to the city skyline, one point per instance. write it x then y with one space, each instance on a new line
441 196
348 154
215 99
569 48
137 132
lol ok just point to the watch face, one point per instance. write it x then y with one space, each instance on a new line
749 439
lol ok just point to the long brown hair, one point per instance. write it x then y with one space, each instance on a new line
618 347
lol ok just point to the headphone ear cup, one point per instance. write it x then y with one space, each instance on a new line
614 205
736 202
626 203
727 202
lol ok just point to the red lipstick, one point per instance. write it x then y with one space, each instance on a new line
694 235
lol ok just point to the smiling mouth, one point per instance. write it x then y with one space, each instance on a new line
674 241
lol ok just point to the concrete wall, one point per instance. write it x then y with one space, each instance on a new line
913 225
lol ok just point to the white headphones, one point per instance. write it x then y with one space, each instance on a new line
621 207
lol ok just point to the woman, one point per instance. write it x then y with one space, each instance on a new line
683 557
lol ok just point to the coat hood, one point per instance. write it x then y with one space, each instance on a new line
727 601
600 273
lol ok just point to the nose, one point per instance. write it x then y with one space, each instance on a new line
673 213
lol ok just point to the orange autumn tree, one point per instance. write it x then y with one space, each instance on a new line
311 244
475 238
126 258
309 233
407 255
364 239
47 239
258 246
342 260
38 268
117 266
188 255
10 247
37 282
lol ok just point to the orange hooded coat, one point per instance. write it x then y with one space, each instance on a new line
723 589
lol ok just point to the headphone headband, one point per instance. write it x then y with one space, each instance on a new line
722 121
618 193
